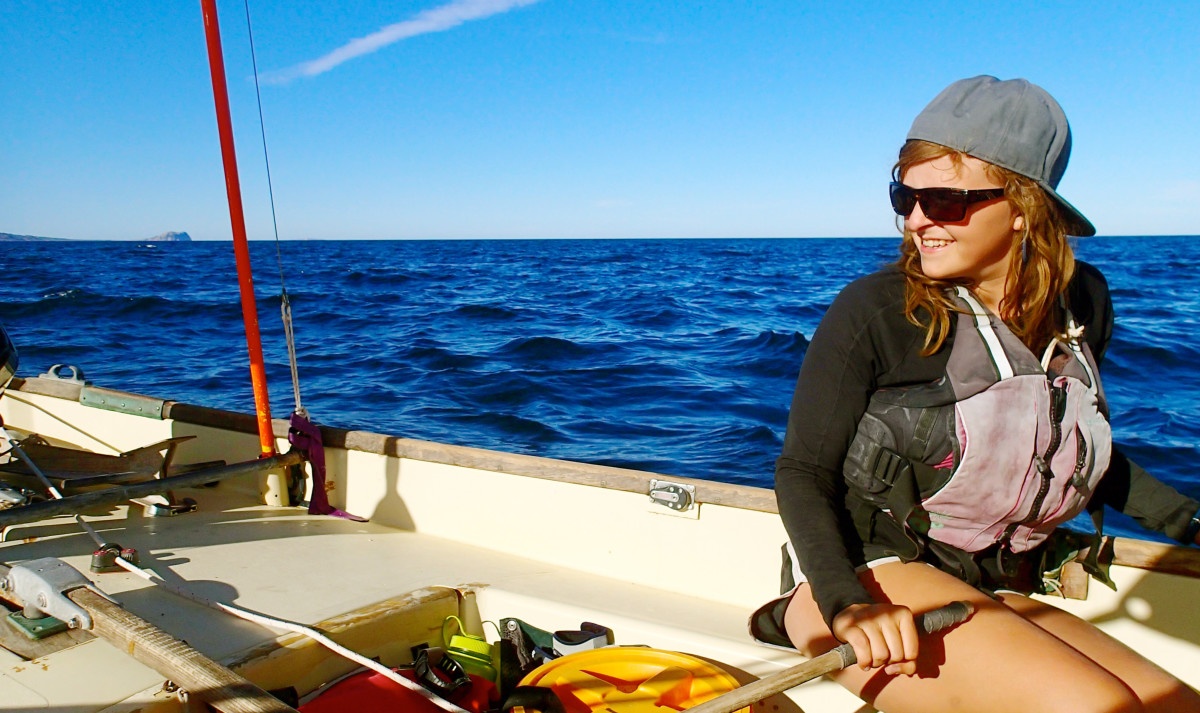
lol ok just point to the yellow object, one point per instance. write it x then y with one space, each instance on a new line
628 679
472 652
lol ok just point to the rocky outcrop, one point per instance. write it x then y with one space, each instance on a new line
171 237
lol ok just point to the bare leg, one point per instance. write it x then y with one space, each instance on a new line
996 661
1157 689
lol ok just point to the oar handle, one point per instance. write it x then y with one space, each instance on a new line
834 660
929 622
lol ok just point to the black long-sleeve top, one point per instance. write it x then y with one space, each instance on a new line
865 343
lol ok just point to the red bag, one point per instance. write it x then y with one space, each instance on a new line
369 691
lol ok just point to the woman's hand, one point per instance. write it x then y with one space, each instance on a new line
881 635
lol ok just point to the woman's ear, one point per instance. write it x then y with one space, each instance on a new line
1018 223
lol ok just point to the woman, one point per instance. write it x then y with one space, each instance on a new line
947 417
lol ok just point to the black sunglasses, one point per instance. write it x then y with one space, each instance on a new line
945 205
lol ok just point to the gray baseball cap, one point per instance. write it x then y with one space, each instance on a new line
1014 124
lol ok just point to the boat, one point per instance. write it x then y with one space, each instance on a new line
167 515
670 563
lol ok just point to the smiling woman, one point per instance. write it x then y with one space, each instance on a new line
948 418
1025 254
974 243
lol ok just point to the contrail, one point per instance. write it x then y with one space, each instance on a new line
437 19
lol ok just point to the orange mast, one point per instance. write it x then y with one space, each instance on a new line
258 374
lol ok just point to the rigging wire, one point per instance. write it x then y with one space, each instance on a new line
154 578
285 304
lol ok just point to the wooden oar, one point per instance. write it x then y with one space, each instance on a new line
118 494
1156 556
835 660
194 672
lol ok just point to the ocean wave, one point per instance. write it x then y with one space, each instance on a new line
678 357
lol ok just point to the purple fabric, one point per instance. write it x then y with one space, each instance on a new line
306 436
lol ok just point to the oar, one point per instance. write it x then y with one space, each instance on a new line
120 493
200 676
836 660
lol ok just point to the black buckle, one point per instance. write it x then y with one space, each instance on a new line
438 672
889 466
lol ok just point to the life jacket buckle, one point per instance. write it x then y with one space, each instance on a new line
889 466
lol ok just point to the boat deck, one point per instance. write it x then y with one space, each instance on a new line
285 563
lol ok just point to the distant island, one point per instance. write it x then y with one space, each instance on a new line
25 238
170 236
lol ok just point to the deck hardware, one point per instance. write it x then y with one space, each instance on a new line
163 506
37 628
41 586
56 372
12 498
676 496
104 559
121 402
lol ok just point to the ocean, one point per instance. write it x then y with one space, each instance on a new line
673 356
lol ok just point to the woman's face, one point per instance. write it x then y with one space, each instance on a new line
976 247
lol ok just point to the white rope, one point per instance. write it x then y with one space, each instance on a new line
153 578
272 622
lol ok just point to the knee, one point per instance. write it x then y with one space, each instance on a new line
804 626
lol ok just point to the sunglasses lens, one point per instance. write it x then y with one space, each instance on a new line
936 203
944 207
903 199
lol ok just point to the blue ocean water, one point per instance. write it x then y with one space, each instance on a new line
675 356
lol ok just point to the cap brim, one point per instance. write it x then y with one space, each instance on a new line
1076 224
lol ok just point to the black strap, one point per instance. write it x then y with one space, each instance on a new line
924 429
903 476
533 698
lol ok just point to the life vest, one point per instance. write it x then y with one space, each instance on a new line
1000 450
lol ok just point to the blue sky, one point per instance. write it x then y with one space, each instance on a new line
566 118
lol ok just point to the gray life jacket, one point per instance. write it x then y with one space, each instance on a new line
1001 450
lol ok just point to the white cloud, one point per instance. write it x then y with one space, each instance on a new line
437 19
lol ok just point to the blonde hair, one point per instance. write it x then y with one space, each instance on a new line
1040 267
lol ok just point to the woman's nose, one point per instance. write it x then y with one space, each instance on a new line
917 218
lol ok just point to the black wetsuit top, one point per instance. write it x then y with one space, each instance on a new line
865 343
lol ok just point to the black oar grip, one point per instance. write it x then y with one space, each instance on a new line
828 662
929 622
943 617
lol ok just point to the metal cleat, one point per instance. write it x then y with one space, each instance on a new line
163 506
41 586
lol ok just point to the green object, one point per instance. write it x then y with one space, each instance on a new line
472 652
35 629
121 402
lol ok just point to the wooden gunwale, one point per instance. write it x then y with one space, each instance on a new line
741 496
1139 554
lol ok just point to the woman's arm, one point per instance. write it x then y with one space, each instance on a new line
1126 486
862 335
